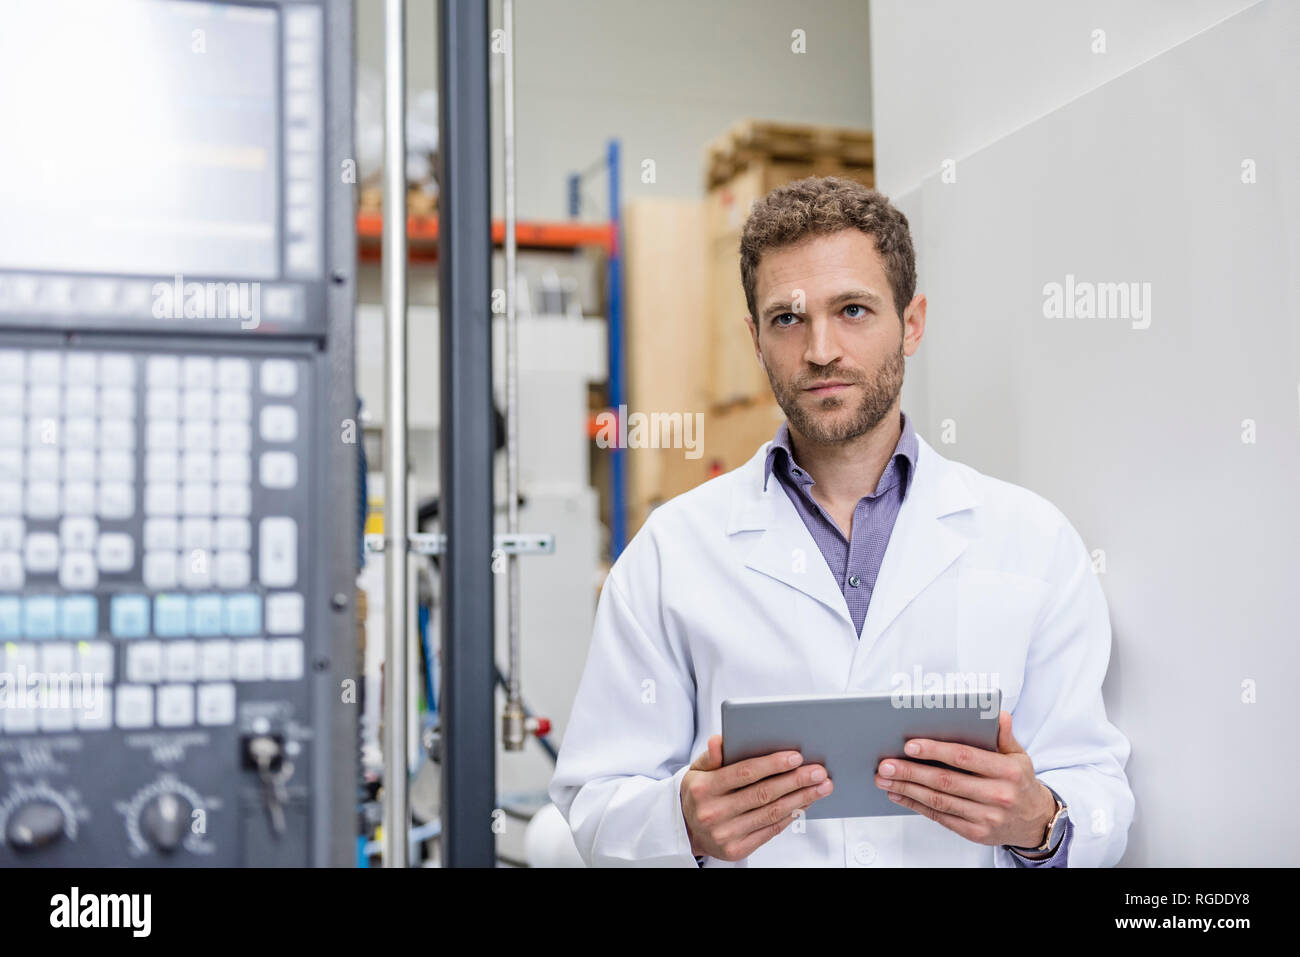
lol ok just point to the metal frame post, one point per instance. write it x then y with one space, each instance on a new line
465 289
335 825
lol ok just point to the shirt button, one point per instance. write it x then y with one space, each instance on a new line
864 853
854 581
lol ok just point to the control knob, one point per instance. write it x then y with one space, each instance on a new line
35 824
165 820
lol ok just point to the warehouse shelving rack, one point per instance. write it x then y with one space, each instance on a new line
422 248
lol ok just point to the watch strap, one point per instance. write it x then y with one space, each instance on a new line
1048 843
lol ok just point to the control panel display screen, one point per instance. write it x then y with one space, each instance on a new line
167 163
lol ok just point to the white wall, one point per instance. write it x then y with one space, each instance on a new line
952 77
1126 167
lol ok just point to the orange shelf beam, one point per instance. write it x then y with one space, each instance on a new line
422 234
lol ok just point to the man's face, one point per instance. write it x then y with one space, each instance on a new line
829 337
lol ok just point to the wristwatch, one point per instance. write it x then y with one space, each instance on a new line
1055 829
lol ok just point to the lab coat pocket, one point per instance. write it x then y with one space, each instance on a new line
995 618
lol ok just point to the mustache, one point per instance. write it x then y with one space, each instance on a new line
823 380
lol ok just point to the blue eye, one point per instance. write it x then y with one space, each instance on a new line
777 319
863 311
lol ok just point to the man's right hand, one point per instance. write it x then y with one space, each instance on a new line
732 811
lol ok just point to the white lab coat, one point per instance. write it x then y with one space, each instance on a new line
723 593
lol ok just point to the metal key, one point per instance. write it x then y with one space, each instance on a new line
265 751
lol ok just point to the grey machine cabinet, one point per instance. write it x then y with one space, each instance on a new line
179 474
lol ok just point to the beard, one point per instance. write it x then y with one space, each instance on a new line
814 417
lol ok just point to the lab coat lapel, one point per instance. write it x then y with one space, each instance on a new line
920 548
921 545
786 551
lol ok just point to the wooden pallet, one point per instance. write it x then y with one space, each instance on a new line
833 150
418 202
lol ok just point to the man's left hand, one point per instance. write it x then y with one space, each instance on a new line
999 801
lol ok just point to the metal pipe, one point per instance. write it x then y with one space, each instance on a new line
614 323
396 815
512 720
414 676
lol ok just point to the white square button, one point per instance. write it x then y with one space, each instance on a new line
163 372
134 706
233 374
78 534
197 404
250 660
160 569
144 661
232 569
215 659
162 404
116 369
161 466
116 500
284 613
180 660
116 552
57 657
196 533
278 423
77 571
216 704
175 706
279 377
82 368
278 470
161 534
95 658
198 372
284 659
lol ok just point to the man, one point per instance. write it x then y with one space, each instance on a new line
846 556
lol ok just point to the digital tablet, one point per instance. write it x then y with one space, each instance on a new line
851 734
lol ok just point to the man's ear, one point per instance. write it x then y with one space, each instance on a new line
753 334
913 324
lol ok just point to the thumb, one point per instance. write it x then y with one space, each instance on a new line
711 758
1007 743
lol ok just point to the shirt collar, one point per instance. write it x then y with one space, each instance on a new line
906 450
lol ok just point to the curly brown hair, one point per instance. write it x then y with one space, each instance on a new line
820 205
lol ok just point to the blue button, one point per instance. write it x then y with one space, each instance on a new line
78 616
128 616
171 614
206 616
11 615
40 617
243 614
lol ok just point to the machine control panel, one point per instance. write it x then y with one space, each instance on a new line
177 512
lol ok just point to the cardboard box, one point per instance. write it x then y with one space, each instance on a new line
729 437
734 433
737 375
667 347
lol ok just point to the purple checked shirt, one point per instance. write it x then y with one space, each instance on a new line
855 561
